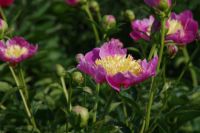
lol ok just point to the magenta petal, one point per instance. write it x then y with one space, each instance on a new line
111 48
97 73
91 56
141 28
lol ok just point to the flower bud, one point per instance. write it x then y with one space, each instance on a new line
109 22
79 57
75 2
162 5
172 50
60 70
129 14
83 113
78 77
6 3
94 5
3 25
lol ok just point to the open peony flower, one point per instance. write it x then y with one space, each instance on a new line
16 50
6 3
142 28
110 63
72 2
182 28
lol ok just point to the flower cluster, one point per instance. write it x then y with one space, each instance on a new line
16 50
181 28
110 63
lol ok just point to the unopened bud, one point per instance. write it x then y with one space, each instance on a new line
94 5
3 26
78 77
172 50
75 2
60 70
129 14
109 22
79 57
162 5
83 113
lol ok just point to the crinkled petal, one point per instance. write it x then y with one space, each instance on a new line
111 48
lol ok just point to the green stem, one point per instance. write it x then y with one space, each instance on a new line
3 14
190 65
153 88
87 10
25 89
19 86
152 51
64 89
163 23
151 97
187 65
96 103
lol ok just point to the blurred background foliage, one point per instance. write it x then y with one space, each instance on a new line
61 32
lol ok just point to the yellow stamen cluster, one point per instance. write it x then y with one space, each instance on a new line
118 63
174 26
15 51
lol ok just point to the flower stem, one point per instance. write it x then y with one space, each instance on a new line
96 33
96 103
20 86
152 51
65 90
163 23
153 88
190 65
187 64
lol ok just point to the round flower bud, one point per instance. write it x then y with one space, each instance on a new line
94 5
72 2
79 57
172 50
3 25
78 77
162 5
83 113
109 22
129 14
6 3
60 70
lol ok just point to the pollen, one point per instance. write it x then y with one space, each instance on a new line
174 26
118 63
15 51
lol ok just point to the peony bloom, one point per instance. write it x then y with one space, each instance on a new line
142 28
110 63
182 28
16 50
159 4
72 2
6 3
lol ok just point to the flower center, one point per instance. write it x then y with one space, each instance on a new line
118 63
15 51
174 26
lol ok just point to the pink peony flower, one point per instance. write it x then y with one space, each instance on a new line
6 3
16 50
159 4
72 2
182 28
110 63
142 28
